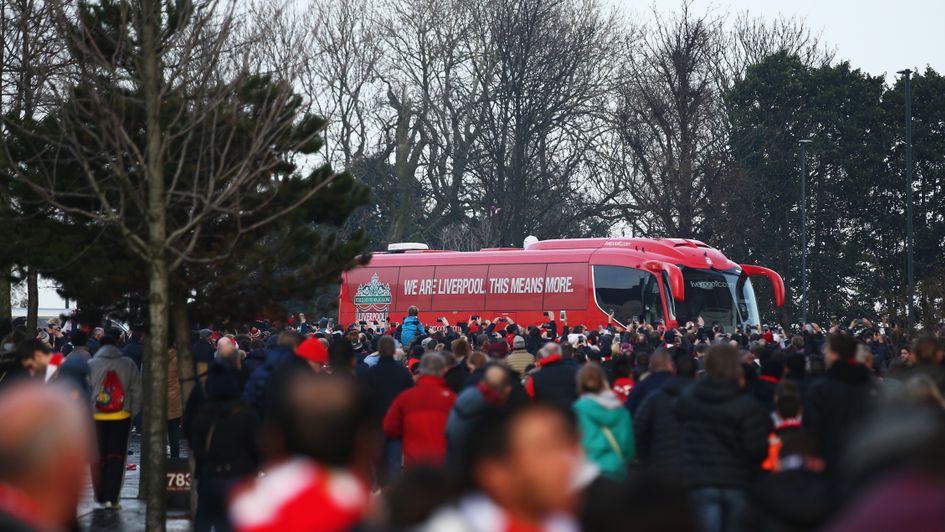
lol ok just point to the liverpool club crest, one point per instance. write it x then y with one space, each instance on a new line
372 300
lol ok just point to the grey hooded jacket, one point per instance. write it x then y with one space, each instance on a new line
110 357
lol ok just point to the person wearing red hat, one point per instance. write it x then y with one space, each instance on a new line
314 352
311 356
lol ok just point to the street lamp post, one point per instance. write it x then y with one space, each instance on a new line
910 278
802 144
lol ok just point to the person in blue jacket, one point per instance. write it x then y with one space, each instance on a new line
412 328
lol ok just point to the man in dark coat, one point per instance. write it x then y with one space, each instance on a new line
725 439
384 381
661 371
257 354
836 404
658 433
458 372
202 350
472 404
554 382
134 349
223 442
772 369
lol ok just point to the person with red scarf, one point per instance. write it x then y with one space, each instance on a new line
418 415
554 380
45 445
491 392
319 435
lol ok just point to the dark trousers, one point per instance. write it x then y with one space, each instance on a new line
719 509
173 436
112 451
389 463
211 503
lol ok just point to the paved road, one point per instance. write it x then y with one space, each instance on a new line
131 516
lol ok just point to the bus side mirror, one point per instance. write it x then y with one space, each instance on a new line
772 275
676 284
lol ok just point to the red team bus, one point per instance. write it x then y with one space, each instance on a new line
671 280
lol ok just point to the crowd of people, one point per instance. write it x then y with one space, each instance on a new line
489 425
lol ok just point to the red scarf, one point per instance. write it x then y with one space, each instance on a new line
548 360
21 508
491 397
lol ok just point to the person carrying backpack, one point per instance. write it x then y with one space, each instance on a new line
116 398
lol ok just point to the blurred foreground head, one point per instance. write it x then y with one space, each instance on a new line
525 460
840 347
45 445
723 362
324 417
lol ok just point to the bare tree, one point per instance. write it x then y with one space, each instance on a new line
332 48
458 110
430 71
547 69
672 124
748 40
342 79
544 117
161 141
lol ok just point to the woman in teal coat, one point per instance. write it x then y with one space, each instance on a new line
606 429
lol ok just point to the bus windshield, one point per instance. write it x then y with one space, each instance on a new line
629 293
721 297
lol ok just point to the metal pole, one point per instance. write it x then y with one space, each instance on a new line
910 277
803 168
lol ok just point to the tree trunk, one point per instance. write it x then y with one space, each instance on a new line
32 300
185 355
159 283
403 176
6 306
155 414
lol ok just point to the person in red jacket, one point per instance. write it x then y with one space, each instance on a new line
418 415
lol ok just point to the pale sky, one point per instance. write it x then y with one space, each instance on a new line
874 35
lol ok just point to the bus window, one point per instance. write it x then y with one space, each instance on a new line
628 292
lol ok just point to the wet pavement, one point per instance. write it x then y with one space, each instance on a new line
131 515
